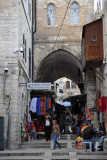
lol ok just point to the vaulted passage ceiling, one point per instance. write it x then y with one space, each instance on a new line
60 64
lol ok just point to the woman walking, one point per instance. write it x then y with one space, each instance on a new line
55 134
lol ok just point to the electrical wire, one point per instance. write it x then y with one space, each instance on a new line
61 24
53 58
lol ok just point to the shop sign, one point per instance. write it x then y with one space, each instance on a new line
38 86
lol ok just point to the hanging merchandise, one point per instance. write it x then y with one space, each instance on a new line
23 133
105 122
89 114
103 104
33 105
47 103
98 102
50 103
38 106
43 106
53 108
29 117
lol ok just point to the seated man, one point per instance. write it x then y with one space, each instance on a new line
101 143
88 134
100 130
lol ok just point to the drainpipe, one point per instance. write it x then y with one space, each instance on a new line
4 82
33 32
9 125
8 112
35 16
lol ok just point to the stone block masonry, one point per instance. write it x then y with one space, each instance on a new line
70 34
13 24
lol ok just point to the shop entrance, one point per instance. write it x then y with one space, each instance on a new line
56 65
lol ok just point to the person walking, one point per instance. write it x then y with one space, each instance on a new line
48 127
55 134
78 127
32 130
61 124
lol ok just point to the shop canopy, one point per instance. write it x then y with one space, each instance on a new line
35 93
65 104
76 98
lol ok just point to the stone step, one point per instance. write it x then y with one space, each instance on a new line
60 154
36 155
35 158
37 144
61 158
2 154
93 158
34 146
21 158
92 153
36 141
42 144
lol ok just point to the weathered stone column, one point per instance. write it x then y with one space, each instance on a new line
90 87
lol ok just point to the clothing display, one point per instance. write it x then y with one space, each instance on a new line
103 104
29 118
33 105
43 106
40 105
47 103
23 133
50 103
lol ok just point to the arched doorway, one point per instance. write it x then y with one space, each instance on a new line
60 63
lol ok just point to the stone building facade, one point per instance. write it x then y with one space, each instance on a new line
65 88
15 58
56 36
102 71
96 78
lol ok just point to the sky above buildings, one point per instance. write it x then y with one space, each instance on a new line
95 4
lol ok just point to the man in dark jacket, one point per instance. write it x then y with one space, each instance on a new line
88 135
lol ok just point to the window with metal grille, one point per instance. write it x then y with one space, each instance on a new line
51 14
75 13
94 38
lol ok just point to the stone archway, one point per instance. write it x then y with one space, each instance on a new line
60 63
41 51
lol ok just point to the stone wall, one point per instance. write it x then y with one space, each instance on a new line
70 34
8 43
13 24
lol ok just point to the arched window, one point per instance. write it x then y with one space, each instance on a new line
51 14
75 13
